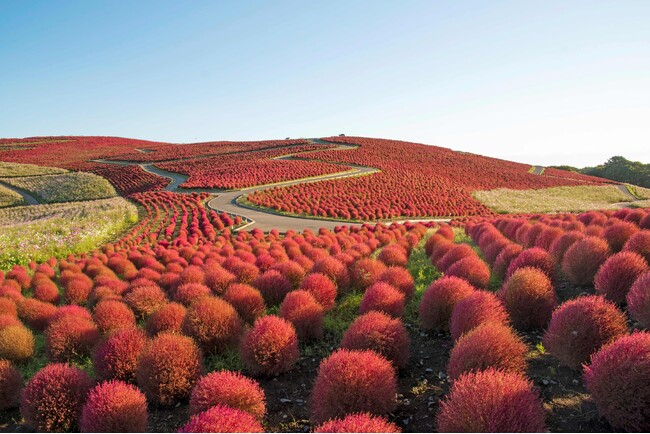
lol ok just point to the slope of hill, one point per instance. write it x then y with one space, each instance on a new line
618 169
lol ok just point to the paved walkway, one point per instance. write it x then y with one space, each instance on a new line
537 170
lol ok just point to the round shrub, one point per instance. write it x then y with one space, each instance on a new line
247 301
213 323
431 242
639 243
489 345
383 297
504 258
293 271
381 333
77 288
114 406
439 250
145 300
71 310
393 254
562 244
168 318
491 401
534 257
230 389
477 308
16 343
365 272
273 286
400 278
221 418
218 279
618 379
617 234
547 237
529 298
353 381
322 288
187 293
111 315
580 327
472 269
617 275
9 320
8 307
335 270
116 356
192 274
583 259
304 312
245 272
70 337
11 384
358 422
37 314
270 347
453 255
638 300
168 368
439 300
52 400
46 291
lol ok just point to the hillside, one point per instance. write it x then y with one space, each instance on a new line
618 169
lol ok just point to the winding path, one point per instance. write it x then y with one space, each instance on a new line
27 197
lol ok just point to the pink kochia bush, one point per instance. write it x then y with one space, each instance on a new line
379 332
472 269
639 243
489 345
214 324
222 419
114 406
618 379
168 368
638 300
270 347
616 276
582 260
529 298
304 312
400 278
274 286
534 257
581 326
52 400
358 422
231 389
116 357
477 308
353 381
439 301
491 401
383 297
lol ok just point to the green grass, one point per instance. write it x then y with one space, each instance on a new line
423 274
66 187
12 170
9 197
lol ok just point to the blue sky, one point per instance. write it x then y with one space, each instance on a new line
540 82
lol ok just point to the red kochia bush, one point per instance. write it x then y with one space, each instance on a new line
304 312
638 300
534 257
37 314
477 308
192 274
169 318
168 368
116 356
46 291
8 307
529 298
439 301
145 300
322 288
562 244
114 406
358 422
504 258
247 301
291 270
393 254
231 389
618 234
489 345
111 315
383 297
581 326
218 279
353 381
365 272
270 347
618 379
274 286
582 260
70 337
617 274
491 401
433 241
472 269
213 323
639 243
381 333
77 288
334 269
71 310
400 278
11 384
187 293
53 398
222 419
16 343
453 255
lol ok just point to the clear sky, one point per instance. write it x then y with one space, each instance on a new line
544 82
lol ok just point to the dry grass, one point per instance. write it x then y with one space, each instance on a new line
9 197
556 199
13 170
66 187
